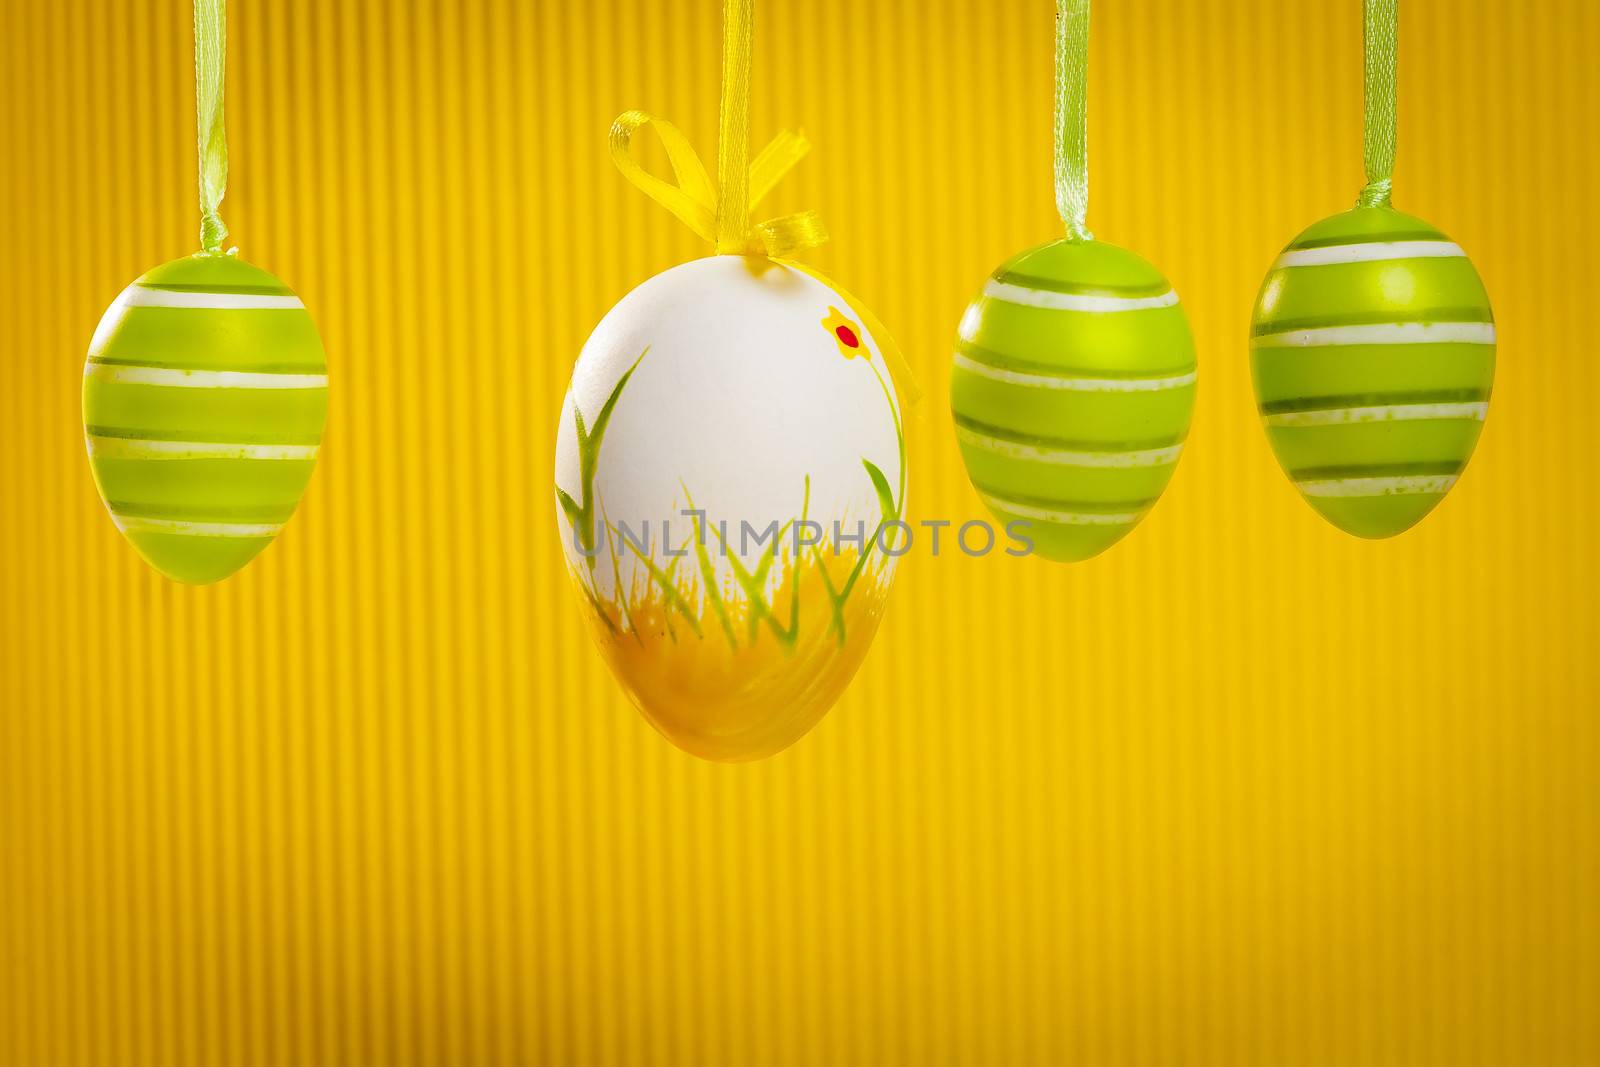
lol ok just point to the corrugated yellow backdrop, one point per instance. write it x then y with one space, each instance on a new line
1245 791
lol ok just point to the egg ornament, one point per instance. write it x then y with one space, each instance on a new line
205 392
729 465
1372 348
1372 342
1072 389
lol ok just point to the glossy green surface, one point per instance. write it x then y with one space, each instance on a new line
202 421
1072 391
1373 376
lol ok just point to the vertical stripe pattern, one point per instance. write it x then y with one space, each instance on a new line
1244 791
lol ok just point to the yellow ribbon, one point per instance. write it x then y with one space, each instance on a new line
905 382
721 213
696 203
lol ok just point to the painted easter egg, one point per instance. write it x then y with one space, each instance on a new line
1372 348
729 464
204 398
1072 391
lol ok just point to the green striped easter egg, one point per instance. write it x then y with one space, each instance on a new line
1372 348
1072 391
204 397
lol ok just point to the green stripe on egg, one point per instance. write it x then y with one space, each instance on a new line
204 400
1072 389
1372 348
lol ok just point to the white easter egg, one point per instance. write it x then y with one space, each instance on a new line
729 465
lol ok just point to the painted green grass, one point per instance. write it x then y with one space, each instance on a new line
752 582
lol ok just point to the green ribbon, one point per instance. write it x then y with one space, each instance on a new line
210 60
1072 122
1382 20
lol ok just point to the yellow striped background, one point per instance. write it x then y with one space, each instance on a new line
1245 791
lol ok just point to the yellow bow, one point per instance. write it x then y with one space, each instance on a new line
721 213
695 201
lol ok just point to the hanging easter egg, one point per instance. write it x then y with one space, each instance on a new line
1074 375
1372 347
1072 390
204 398
730 463
206 387
729 452
1372 343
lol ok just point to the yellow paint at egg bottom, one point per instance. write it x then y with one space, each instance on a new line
735 677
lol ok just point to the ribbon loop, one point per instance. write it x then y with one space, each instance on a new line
691 199
720 214
774 161
694 201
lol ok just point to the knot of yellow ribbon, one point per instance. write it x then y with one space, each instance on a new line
720 213
694 200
